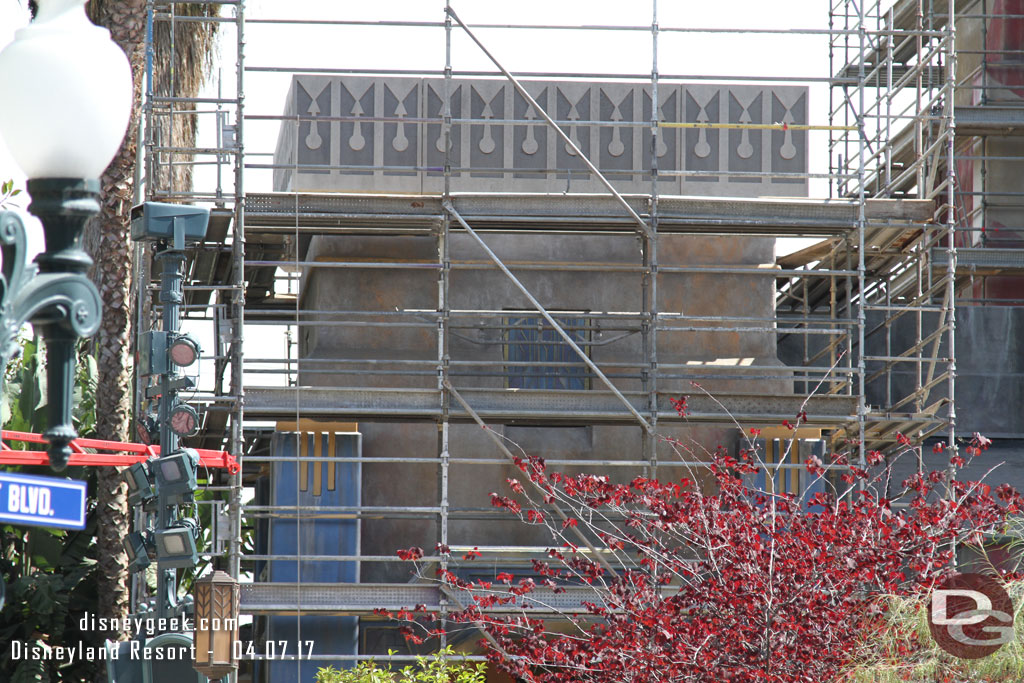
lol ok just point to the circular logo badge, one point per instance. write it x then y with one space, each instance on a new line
970 616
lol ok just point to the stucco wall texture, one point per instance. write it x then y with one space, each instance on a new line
571 274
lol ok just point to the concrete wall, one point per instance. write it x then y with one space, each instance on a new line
481 297
479 338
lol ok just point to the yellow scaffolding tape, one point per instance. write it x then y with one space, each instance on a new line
754 126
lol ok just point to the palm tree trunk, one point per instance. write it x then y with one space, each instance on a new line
108 241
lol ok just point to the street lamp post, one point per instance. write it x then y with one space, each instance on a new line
67 91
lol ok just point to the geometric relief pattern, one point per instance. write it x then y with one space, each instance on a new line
668 138
313 103
358 141
789 147
745 145
530 139
384 134
703 153
434 142
573 105
615 141
487 138
401 139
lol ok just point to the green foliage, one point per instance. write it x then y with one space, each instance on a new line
24 390
23 398
205 505
83 410
49 572
436 668
7 190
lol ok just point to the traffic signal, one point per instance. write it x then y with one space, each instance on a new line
176 475
137 546
160 351
153 353
147 430
161 354
140 485
183 420
173 223
183 350
176 545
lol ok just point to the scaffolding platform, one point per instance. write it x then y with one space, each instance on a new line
911 19
348 213
982 261
989 120
539 406
367 598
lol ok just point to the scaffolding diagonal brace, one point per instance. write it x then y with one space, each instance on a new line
508 454
547 316
645 229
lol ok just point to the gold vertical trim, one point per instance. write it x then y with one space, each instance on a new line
303 463
318 466
332 474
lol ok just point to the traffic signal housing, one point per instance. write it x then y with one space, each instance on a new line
176 475
140 485
176 545
160 352
137 546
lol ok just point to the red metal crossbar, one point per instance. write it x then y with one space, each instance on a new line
118 453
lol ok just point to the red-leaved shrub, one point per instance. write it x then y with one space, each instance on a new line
679 584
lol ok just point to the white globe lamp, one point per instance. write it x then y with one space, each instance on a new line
67 99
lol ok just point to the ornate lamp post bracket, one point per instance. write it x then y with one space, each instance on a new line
53 293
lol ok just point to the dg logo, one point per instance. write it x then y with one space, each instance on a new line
970 616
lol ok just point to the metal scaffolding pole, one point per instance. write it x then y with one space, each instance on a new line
650 258
551 321
566 138
444 320
237 304
862 408
949 121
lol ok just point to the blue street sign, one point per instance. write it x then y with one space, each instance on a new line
42 501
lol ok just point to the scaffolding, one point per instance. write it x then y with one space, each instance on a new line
863 319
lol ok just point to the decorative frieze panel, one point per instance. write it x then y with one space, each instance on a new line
384 135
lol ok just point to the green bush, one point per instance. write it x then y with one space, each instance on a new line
436 668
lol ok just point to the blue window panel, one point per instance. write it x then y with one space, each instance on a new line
310 485
532 340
